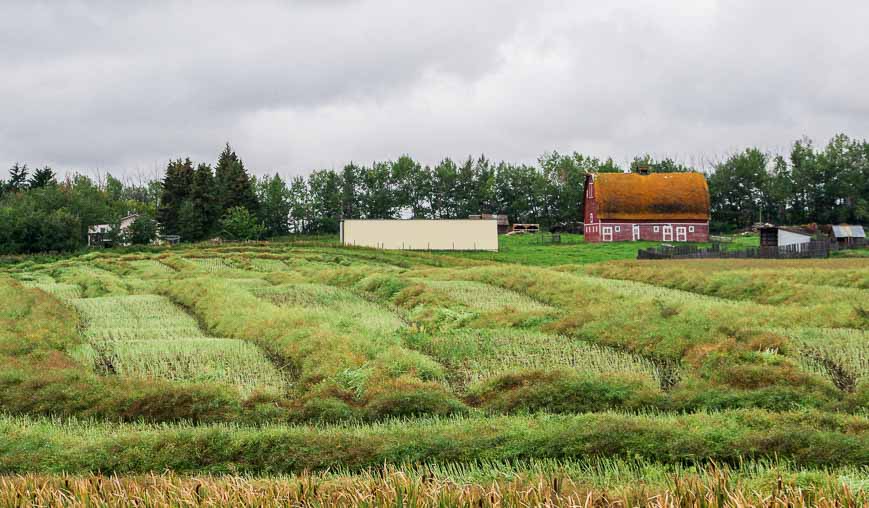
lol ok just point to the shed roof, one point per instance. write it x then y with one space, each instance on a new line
846 231
790 229
658 196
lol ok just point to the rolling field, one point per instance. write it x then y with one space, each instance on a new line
305 373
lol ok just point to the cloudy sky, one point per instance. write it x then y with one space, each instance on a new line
307 84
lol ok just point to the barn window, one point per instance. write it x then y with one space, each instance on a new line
618 229
592 216
657 229
690 229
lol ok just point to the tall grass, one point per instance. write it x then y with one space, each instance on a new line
843 355
805 438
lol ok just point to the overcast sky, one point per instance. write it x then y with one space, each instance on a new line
301 85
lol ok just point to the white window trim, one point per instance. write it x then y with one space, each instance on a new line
618 229
657 229
690 229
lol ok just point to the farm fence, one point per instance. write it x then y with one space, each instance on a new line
812 249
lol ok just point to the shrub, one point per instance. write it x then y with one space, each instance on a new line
563 391
240 224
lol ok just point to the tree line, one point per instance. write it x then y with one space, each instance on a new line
197 201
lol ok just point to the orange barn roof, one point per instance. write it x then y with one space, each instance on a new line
658 196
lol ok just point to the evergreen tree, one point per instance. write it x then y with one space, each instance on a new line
176 188
191 225
233 183
204 210
42 177
18 177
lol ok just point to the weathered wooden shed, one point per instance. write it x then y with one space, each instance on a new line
502 219
667 207
782 236
847 235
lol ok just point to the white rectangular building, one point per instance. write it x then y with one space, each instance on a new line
421 234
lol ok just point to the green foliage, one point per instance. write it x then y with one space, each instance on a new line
233 183
807 439
42 177
176 188
18 174
142 231
240 224
274 198
563 391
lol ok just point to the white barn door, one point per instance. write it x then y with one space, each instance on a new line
635 230
682 234
668 233
607 233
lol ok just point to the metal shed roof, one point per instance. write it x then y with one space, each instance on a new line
846 231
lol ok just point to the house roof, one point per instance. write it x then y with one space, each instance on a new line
657 196
846 231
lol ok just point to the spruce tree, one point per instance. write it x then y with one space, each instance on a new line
204 211
234 185
176 188
42 178
18 177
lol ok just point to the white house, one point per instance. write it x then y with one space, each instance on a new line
99 234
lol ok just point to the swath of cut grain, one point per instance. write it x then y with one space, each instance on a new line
134 318
479 354
198 359
484 297
344 306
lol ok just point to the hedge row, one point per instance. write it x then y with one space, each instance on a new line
807 438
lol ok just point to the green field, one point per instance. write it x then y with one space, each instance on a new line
303 372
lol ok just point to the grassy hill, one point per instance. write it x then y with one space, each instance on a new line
556 371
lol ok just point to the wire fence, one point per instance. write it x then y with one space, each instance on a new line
811 249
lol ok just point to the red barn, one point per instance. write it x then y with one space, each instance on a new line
666 207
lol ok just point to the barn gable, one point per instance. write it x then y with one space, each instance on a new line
653 197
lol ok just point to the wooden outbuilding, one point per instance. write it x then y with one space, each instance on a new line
665 207
849 235
782 236
503 221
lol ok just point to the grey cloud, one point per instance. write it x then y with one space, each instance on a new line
300 85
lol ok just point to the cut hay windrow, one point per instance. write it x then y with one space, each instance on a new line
202 360
134 318
484 297
474 355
